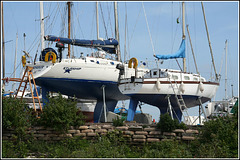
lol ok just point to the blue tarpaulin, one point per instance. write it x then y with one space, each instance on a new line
107 45
179 54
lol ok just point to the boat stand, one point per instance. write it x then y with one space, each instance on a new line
170 106
201 111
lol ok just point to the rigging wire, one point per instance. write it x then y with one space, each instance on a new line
80 28
103 21
135 26
148 29
109 18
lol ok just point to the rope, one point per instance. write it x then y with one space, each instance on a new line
148 29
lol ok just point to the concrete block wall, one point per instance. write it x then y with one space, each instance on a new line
132 132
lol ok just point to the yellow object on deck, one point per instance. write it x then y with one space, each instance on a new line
134 61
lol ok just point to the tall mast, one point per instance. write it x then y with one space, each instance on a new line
3 48
15 61
97 21
117 31
226 70
42 25
183 32
209 42
69 26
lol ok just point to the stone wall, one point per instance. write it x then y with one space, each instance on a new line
132 132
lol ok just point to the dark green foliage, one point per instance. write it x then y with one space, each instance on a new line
220 136
16 115
166 124
60 113
14 149
166 149
118 122
179 125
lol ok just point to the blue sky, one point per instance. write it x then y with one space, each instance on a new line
222 20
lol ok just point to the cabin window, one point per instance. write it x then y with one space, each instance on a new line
174 77
195 79
92 60
163 74
202 80
155 73
186 78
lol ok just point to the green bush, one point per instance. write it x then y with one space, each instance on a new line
16 115
166 124
60 113
221 136
118 122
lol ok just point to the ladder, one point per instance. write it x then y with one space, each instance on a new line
27 77
180 102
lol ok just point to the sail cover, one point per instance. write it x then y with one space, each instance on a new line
179 54
107 45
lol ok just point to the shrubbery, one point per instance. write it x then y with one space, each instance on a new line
166 124
16 115
220 137
118 122
60 113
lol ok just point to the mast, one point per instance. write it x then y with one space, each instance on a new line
42 25
15 61
209 42
97 21
117 31
69 26
183 32
226 70
3 49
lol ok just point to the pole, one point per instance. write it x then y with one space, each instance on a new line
24 36
97 21
3 49
69 26
104 104
232 89
209 42
117 31
192 50
183 36
226 70
42 25
15 62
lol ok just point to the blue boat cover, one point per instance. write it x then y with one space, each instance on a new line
107 45
179 54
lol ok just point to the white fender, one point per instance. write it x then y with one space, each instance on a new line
182 87
201 88
158 85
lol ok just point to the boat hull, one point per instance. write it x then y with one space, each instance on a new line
151 92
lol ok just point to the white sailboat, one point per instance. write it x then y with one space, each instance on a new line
92 77
170 90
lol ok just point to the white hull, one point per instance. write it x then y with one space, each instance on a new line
159 84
